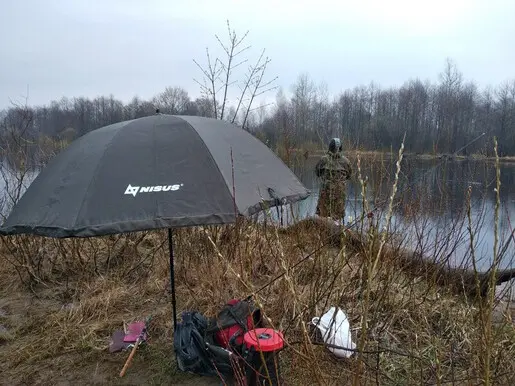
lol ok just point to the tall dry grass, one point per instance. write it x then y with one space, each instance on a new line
62 299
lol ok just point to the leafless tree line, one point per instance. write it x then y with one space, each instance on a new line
437 117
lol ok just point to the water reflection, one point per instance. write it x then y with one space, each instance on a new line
430 211
12 186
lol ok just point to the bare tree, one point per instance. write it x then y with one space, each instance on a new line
173 100
254 86
17 147
449 93
218 78
505 112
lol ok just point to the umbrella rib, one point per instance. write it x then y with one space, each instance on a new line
155 164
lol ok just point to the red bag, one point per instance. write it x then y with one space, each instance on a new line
234 320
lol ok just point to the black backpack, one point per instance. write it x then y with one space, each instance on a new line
196 351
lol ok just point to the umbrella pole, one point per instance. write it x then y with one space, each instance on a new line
172 278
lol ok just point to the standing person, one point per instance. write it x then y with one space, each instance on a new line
334 169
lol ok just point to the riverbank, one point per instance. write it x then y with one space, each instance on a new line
353 153
57 327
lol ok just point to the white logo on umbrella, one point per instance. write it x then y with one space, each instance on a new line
133 190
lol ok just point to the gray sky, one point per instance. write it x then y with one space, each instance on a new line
138 47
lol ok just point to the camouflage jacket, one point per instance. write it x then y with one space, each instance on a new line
333 168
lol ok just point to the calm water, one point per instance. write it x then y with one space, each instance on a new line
12 185
430 205
430 211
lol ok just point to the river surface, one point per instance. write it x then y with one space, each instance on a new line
430 206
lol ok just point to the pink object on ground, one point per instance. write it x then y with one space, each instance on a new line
133 331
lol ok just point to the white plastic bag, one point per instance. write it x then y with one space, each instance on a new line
335 329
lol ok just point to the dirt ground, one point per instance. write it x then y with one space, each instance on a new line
152 364
59 332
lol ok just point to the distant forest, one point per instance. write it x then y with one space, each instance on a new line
438 117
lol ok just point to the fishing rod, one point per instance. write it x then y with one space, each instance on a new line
468 144
504 248
327 241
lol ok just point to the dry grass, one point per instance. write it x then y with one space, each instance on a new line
61 300
60 321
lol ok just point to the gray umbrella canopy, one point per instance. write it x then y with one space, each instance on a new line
160 171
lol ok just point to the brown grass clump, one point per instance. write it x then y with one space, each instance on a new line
60 316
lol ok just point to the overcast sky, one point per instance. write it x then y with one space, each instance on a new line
88 48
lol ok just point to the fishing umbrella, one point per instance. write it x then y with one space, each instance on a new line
160 171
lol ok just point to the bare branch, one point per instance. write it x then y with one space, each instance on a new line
219 76
228 68
257 83
249 78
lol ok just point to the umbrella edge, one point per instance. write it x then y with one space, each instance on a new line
120 227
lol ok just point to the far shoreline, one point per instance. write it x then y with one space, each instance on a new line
420 156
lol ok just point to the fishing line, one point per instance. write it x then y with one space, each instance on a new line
328 240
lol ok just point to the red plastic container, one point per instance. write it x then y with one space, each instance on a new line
262 361
264 339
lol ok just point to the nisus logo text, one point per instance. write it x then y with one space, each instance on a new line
133 190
